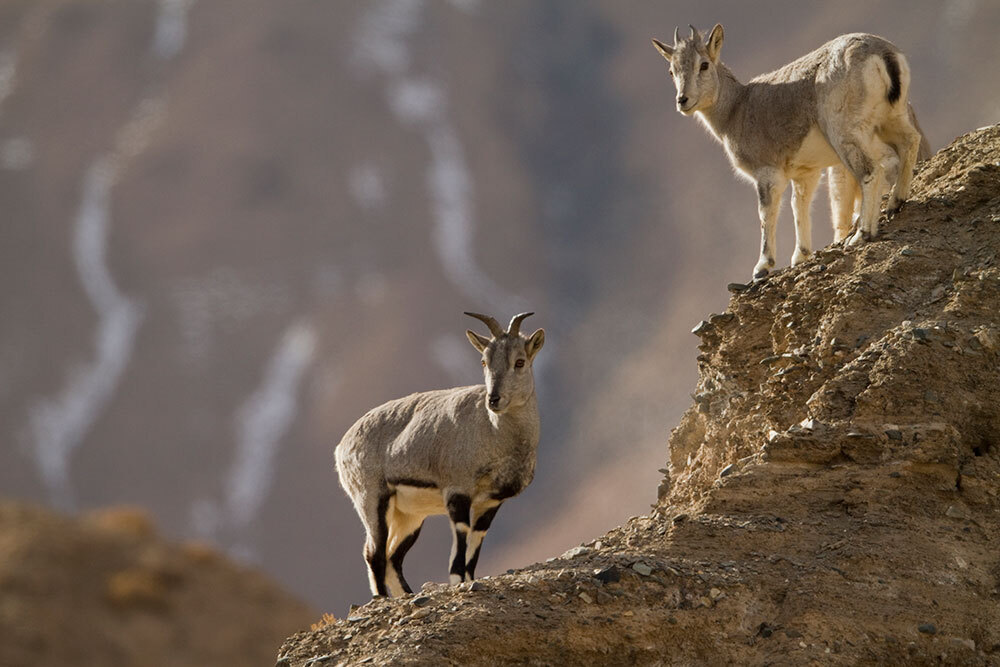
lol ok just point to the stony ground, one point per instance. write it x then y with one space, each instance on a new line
832 497
103 590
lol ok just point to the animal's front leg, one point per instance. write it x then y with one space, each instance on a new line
770 187
459 509
803 188
482 518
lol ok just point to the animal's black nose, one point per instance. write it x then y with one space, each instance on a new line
682 100
494 400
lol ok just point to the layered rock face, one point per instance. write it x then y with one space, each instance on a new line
831 497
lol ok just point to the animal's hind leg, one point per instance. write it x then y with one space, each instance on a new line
843 190
404 529
803 189
861 151
905 139
375 544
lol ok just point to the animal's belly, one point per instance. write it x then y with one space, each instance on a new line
422 501
814 153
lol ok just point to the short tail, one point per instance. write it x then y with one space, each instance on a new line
892 67
924 151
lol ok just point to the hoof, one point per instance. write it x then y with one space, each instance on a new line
857 238
894 206
760 274
800 257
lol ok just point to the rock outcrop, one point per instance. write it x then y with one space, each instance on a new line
832 496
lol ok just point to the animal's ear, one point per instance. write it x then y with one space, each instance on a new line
534 344
665 51
478 342
714 42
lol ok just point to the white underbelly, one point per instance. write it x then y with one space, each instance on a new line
814 153
416 500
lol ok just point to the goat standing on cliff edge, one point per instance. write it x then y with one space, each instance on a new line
843 106
460 452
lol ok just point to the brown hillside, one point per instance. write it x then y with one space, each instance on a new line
104 591
832 496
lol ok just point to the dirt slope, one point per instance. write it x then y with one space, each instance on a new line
832 496
104 590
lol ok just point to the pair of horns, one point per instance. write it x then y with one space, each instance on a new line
694 34
513 330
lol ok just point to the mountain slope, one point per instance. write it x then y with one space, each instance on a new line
833 495
104 590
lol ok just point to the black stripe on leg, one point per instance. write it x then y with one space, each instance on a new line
485 519
458 563
376 560
397 557
470 568
459 506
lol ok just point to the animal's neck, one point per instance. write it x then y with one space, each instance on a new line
521 420
719 118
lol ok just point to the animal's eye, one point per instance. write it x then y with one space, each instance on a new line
519 363
671 70
704 65
484 363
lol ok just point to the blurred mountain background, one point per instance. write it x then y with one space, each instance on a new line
230 228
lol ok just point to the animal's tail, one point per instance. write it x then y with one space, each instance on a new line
924 151
892 67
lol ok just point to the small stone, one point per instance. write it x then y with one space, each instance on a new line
476 586
628 612
716 594
736 288
921 334
705 602
728 470
420 613
598 545
927 629
895 474
575 551
608 575
967 643
907 252
680 517
700 328
954 512
792 633
355 619
642 569
586 598
420 601
894 434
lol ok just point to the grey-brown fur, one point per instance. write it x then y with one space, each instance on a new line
842 106
460 452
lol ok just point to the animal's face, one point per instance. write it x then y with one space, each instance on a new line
507 368
694 69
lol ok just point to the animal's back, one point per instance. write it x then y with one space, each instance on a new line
840 53
406 431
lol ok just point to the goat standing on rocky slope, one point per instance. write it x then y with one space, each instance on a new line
460 452
843 106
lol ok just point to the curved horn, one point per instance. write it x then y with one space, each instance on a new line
490 322
676 38
695 35
515 324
